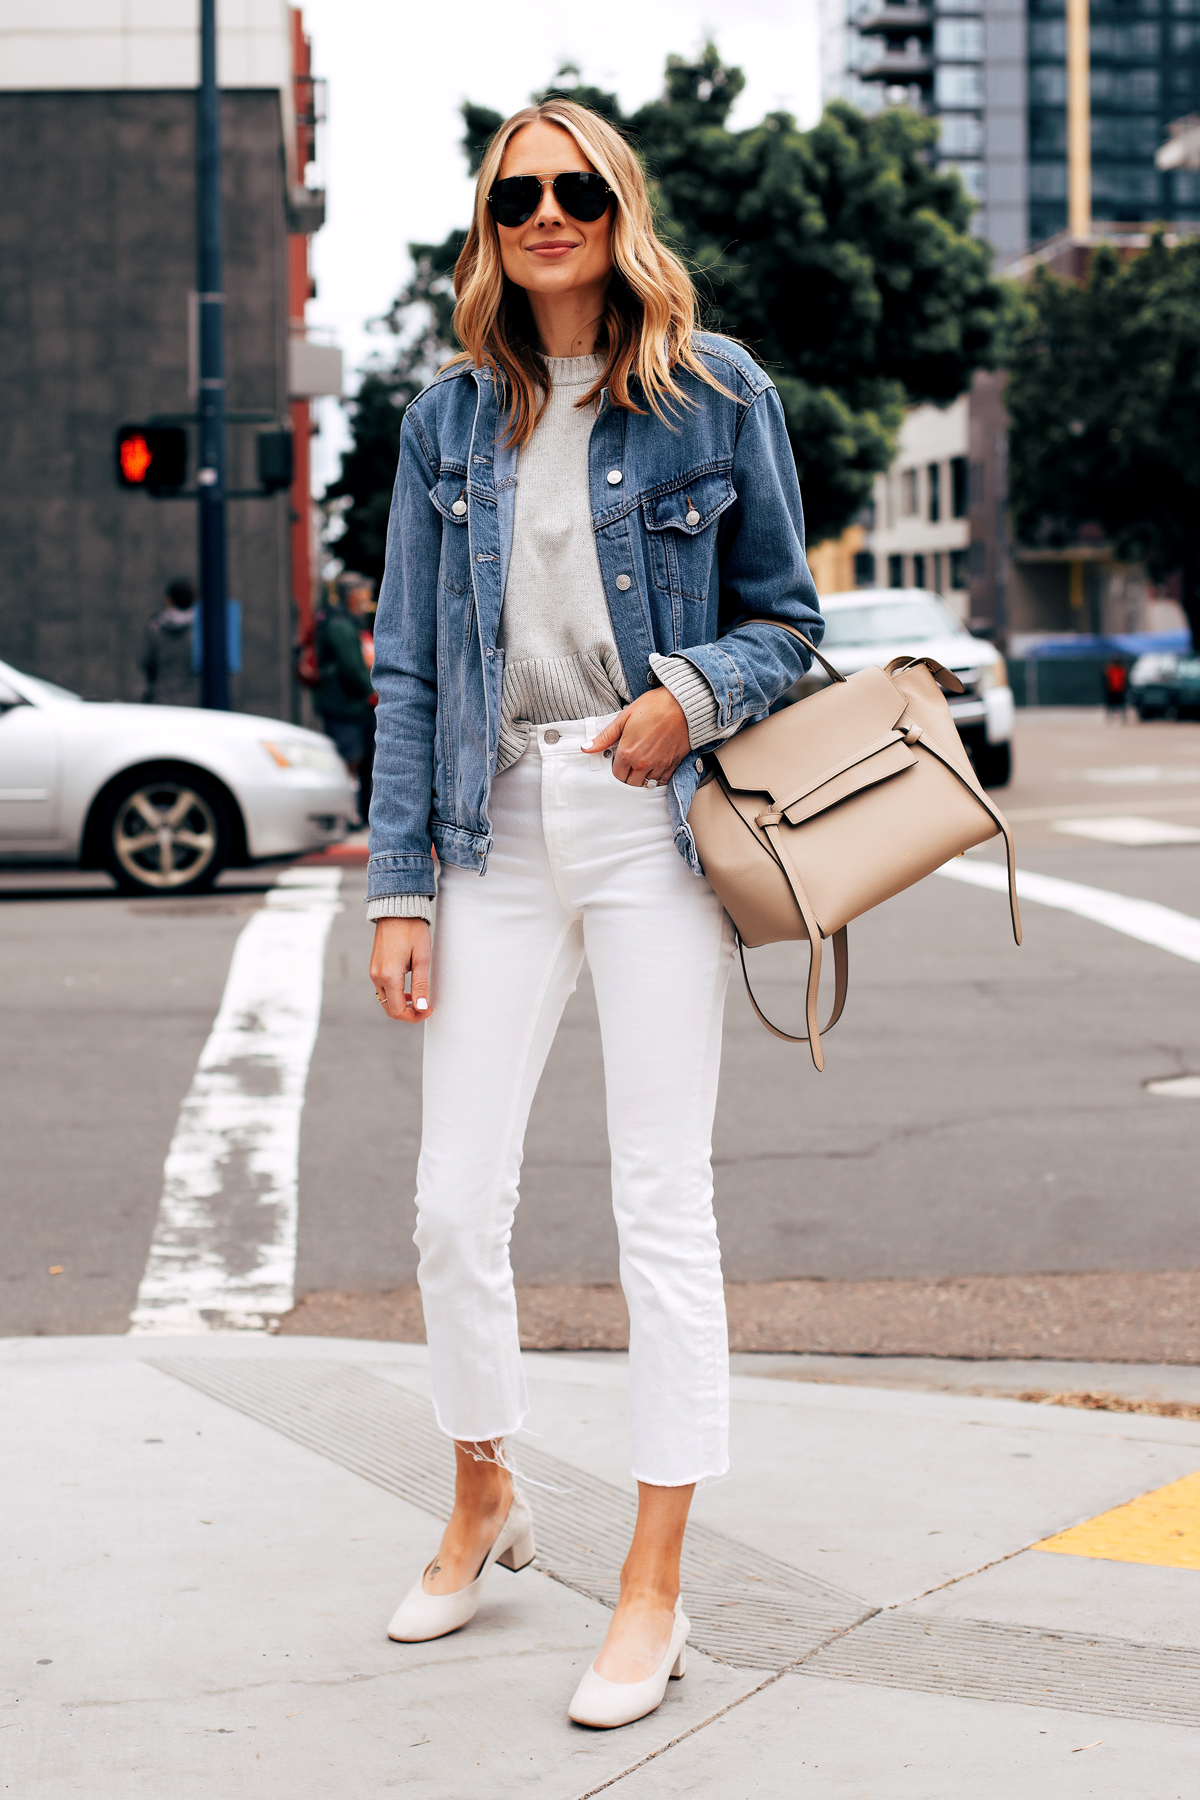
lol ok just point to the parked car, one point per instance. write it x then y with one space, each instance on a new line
872 625
1163 687
163 797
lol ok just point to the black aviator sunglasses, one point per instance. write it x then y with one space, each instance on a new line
581 194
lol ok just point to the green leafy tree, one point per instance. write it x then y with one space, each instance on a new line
361 496
1104 401
838 255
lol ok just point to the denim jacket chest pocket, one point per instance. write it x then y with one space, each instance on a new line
449 497
681 526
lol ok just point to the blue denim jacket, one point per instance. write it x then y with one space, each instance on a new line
671 587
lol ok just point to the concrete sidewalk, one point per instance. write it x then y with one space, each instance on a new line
210 1533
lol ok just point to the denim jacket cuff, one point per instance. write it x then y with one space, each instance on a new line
398 872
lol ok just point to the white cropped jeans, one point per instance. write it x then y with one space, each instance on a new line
580 864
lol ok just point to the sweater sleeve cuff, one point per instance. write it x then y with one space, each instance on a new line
401 906
694 695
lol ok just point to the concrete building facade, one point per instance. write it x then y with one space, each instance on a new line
97 140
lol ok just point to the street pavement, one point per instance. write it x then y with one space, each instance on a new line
984 1110
211 1533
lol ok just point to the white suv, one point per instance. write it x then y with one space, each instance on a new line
872 625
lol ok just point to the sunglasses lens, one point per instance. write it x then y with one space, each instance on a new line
584 196
515 200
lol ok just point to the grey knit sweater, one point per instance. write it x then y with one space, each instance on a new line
560 657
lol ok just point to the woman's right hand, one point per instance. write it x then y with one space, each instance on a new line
401 945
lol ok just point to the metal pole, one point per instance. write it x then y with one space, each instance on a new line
210 479
1079 120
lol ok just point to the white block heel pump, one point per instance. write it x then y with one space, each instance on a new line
421 1616
604 1704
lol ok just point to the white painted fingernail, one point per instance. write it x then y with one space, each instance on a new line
422 1005
589 743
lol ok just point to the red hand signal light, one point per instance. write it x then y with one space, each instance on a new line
134 456
153 457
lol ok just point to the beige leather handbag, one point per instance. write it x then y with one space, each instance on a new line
816 814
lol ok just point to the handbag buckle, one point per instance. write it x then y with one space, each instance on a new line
771 817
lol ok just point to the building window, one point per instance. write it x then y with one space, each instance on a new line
959 84
959 492
895 571
937 571
959 40
911 479
958 570
1048 37
1048 84
971 176
918 579
864 568
960 134
935 492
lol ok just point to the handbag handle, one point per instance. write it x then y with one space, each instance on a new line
833 674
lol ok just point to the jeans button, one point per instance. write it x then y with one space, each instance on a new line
624 583
552 737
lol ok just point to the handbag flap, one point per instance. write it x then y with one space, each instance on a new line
878 764
787 754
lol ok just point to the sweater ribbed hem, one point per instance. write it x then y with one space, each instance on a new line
541 690
694 695
400 906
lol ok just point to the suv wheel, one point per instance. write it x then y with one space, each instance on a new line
993 765
168 833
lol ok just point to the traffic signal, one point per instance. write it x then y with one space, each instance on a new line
274 460
153 457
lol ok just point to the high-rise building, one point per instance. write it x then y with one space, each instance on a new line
994 74
1145 71
964 63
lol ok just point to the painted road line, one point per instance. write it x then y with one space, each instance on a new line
223 1255
1137 832
1141 919
1162 1528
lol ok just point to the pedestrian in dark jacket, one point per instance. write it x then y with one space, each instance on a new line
167 651
344 695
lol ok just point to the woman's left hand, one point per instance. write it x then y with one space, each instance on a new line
651 739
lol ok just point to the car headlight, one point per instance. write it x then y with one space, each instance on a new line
298 753
993 675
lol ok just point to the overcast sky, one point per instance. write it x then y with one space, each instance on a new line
397 74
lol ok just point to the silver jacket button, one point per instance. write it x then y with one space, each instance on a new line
623 582
615 478
699 765
693 518
460 507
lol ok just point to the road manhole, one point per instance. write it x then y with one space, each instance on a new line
1177 1087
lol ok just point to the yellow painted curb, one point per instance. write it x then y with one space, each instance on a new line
1162 1527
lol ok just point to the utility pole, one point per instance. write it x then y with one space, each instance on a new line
210 478
1079 120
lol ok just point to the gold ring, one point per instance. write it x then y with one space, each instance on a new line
382 998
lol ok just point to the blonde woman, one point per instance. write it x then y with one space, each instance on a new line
591 502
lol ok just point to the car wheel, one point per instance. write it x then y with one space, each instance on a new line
165 833
993 765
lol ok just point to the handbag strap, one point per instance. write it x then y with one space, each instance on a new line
833 674
841 974
916 735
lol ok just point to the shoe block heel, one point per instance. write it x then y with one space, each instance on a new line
519 1554
679 1667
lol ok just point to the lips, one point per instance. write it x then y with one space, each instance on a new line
558 247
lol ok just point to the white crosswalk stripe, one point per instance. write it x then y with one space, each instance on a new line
223 1255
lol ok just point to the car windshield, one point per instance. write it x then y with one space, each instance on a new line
907 621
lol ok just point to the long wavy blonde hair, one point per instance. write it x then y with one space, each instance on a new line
650 313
